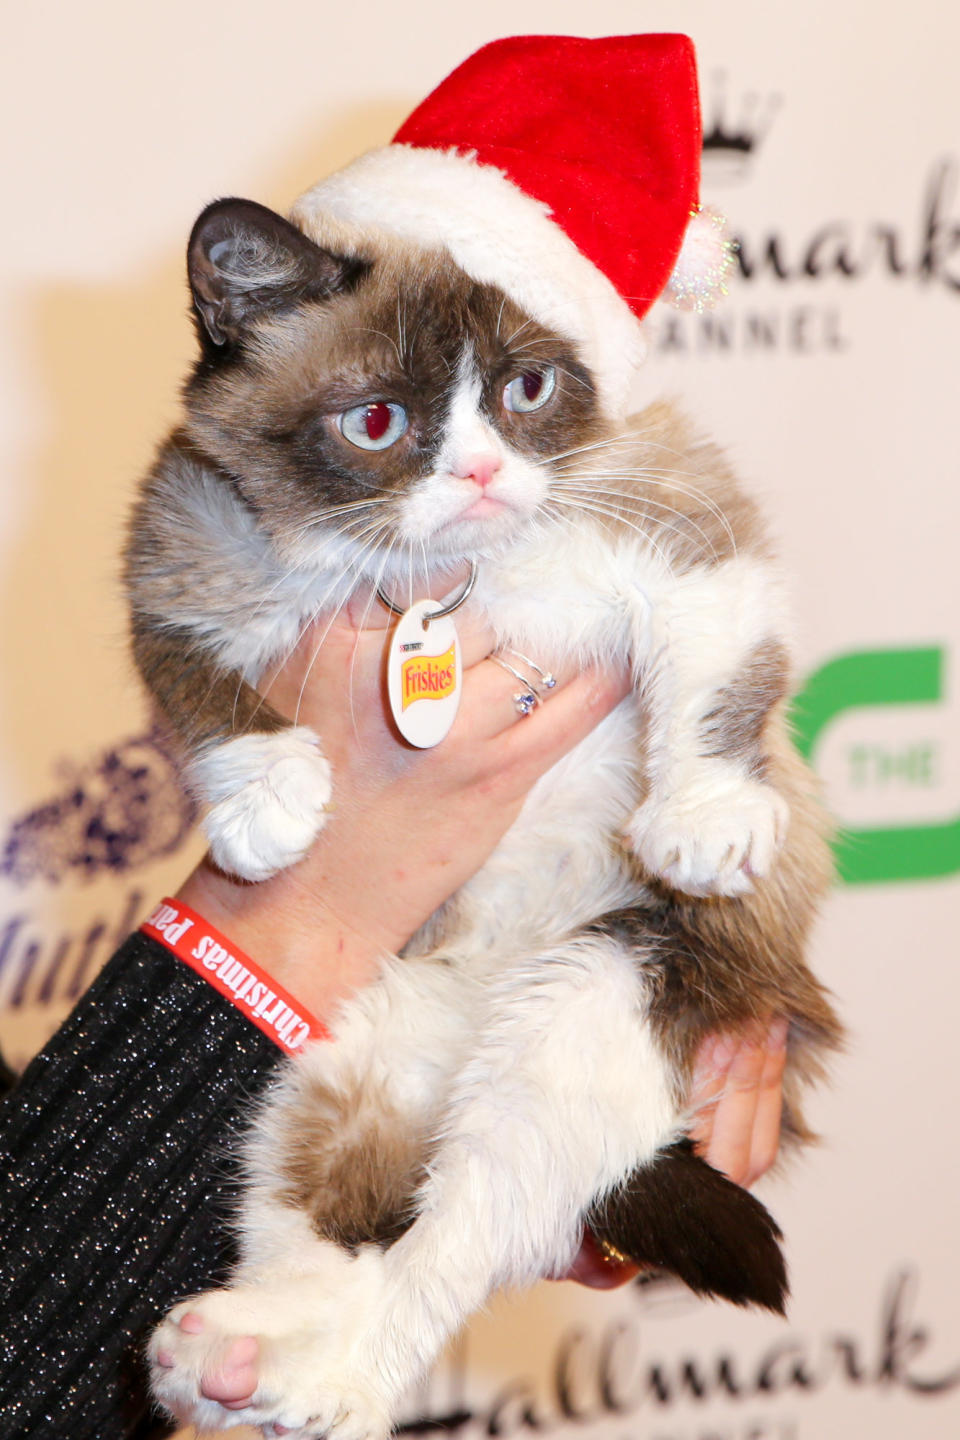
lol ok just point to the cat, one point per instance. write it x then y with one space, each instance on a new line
548 1030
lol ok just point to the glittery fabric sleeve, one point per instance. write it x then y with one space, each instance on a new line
115 1181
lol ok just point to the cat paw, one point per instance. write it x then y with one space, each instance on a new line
268 797
713 836
265 1357
201 1372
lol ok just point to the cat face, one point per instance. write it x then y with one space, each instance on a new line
390 401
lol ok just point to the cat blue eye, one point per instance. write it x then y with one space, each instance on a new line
530 390
376 426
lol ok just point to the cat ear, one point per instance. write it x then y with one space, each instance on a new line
244 260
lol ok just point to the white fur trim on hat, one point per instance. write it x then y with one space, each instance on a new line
494 232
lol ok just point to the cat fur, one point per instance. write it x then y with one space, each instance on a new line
522 1069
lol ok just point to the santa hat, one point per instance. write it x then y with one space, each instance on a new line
563 170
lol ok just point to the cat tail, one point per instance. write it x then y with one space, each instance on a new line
681 1215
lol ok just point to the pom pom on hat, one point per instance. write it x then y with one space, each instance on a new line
703 267
563 170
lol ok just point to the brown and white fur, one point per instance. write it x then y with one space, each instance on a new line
521 1069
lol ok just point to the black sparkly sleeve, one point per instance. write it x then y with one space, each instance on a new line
115 1185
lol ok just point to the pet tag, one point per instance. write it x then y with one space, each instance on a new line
424 674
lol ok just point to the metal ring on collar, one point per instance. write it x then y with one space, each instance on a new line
454 604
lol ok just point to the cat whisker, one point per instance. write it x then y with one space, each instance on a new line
416 333
371 601
519 331
401 352
634 505
318 609
584 487
604 514
334 513
299 534
606 442
668 480
370 548
383 336
347 507
521 359
638 468
608 512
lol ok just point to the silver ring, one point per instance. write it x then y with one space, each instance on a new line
528 685
547 679
526 700
455 604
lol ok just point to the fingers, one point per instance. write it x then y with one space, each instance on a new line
732 1069
340 658
567 716
737 1095
488 704
345 656
593 1267
766 1123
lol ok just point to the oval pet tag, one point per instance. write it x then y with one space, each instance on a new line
424 674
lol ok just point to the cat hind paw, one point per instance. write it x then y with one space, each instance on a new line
268 797
208 1371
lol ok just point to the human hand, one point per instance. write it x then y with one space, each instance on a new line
407 827
736 1099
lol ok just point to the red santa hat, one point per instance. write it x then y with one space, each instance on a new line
564 170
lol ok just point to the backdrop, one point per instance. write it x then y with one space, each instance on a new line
832 141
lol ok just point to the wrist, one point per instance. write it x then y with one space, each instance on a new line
289 930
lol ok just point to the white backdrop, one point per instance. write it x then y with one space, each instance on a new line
833 137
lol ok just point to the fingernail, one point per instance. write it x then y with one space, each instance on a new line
714 1058
724 1049
777 1033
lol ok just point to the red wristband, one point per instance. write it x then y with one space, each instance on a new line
238 978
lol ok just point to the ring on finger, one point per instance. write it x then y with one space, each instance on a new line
525 701
548 681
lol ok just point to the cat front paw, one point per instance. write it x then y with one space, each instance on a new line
714 835
268 797
252 1358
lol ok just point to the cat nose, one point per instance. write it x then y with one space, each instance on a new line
479 468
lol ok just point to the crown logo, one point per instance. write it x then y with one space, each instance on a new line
732 139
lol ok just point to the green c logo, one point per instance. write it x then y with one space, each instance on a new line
879 677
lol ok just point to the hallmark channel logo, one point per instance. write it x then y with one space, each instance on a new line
827 256
615 1373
